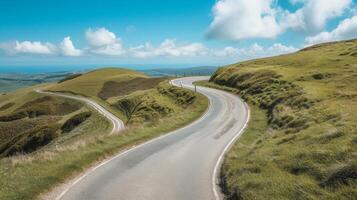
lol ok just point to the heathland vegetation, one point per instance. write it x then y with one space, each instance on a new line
301 142
44 139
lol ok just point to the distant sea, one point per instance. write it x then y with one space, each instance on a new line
49 69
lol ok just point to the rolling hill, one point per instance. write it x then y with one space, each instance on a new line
53 138
301 142
91 83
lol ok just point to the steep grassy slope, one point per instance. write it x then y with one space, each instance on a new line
302 138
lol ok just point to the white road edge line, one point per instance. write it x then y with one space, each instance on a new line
129 150
220 159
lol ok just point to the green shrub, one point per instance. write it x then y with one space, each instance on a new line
144 107
320 76
74 121
30 140
181 96
342 176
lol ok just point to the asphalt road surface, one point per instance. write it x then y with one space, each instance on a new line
181 165
118 124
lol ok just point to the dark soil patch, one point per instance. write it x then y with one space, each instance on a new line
112 88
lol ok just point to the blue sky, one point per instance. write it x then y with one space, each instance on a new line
159 32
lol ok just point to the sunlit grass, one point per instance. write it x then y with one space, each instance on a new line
27 176
275 158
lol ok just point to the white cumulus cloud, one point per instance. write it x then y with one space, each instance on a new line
68 48
30 47
104 42
241 19
167 48
247 19
347 29
314 15
253 51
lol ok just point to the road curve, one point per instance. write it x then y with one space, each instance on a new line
181 165
118 124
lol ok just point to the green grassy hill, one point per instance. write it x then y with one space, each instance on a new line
302 138
91 83
45 140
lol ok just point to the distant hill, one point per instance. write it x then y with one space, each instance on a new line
13 81
91 83
301 142
192 71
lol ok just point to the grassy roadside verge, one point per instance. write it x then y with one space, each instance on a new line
29 176
273 161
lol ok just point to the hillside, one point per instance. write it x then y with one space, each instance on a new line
91 83
301 142
52 138
192 71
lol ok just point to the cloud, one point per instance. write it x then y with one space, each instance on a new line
278 48
65 48
68 48
104 42
28 47
314 15
242 19
246 19
168 48
100 37
347 29
254 51
115 49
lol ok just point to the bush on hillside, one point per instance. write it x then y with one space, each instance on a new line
342 176
181 96
141 108
42 106
74 121
30 140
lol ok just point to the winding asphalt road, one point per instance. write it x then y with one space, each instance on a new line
181 165
118 124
